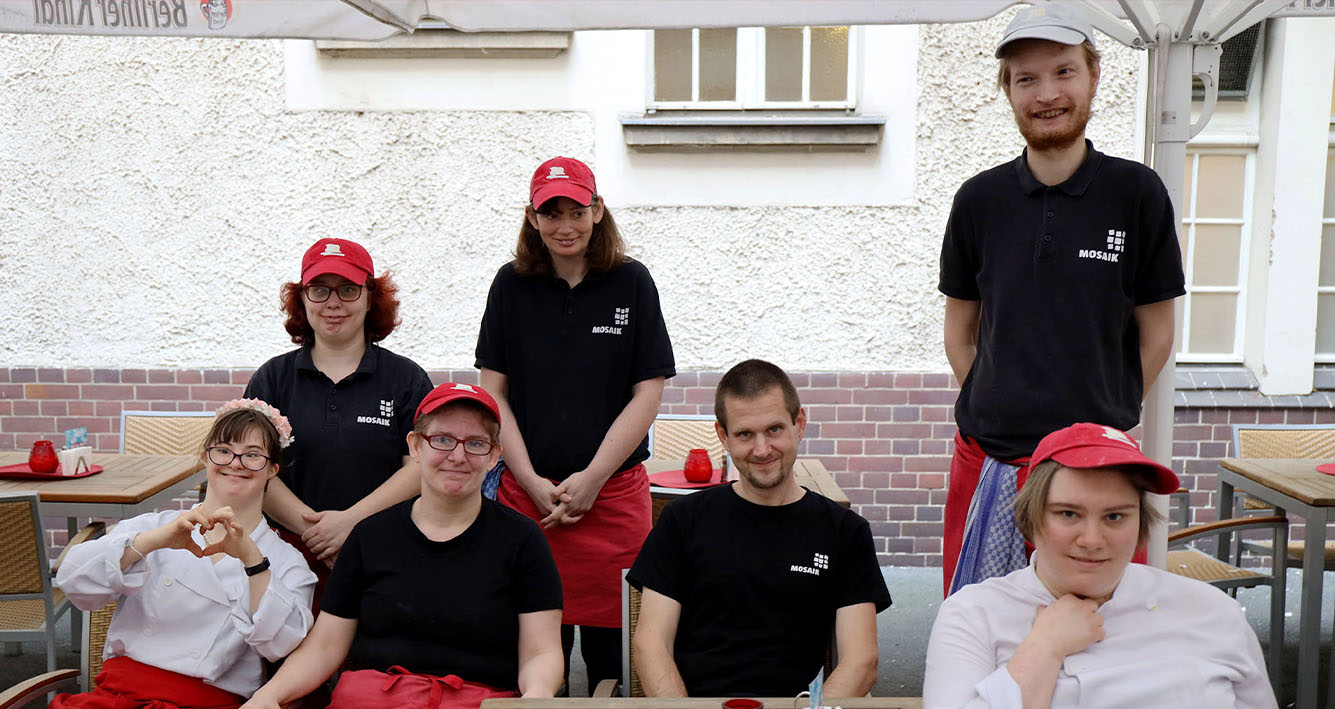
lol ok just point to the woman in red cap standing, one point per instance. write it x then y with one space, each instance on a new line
574 345
441 601
350 402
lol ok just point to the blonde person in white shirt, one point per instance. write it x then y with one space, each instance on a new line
203 593
1081 625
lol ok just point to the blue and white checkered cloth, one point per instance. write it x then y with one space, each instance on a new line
993 545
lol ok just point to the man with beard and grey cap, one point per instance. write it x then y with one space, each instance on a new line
1059 270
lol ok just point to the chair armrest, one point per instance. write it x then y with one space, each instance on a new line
1226 525
31 689
606 688
92 530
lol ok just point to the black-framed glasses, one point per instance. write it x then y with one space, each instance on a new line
472 446
347 292
249 460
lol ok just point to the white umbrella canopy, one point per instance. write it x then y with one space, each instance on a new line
309 19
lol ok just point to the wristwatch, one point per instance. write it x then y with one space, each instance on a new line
258 568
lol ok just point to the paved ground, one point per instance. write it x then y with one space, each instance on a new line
903 632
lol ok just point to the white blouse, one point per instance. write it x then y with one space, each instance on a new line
186 614
1169 641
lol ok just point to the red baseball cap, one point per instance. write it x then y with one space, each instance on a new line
562 177
1090 445
450 391
339 257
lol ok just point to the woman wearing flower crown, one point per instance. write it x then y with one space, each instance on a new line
203 593
351 401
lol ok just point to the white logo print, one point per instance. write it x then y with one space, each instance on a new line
1116 435
818 563
386 413
465 387
621 316
1116 240
332 250
1116 244
556 172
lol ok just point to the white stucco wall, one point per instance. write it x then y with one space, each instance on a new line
158 192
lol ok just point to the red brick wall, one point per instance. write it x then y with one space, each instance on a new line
885 436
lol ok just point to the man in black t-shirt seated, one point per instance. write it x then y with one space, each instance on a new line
743 584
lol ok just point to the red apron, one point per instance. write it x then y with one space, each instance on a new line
591 553
373 689
128 684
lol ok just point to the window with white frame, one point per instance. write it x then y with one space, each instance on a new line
753 67
1214 235
1325 291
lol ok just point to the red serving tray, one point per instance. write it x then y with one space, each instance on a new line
23 472
1328 468
677 479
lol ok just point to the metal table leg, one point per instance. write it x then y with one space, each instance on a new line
1309 621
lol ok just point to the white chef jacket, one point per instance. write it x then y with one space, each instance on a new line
1170 641
186 614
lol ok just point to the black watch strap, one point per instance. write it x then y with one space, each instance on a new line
258 568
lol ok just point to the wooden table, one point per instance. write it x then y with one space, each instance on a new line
694 703
809 473
128 485
1293 486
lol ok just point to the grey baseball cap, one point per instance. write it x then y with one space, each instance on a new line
1051 21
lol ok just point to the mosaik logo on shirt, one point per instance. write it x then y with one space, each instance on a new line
386 413
1116 243
818 562
620 318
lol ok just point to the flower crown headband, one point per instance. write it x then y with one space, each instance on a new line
279 421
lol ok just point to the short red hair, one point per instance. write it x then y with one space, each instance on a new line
382 314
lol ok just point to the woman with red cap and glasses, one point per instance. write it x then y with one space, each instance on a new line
440 601
350 401
1082 625
574 345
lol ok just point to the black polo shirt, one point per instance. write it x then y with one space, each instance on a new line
571 356
1059 271
349 437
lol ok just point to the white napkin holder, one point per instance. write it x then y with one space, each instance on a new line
75 460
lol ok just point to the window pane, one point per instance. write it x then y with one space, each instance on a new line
1327 277
829 63
672 65
783 64
1215 262
1186 189
1325 323
1220 183
718 65
1213 318
1330 184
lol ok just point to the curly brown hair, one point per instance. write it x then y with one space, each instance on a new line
382 311
606 248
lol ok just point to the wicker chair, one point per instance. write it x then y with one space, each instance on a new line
674 435
29 603
164 432
1193 563
1283 441
34 691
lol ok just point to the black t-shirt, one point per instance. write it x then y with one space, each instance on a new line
758 587
349 437
447 607
1060 271
572 356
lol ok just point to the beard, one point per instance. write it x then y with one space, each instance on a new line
764 481
1066 132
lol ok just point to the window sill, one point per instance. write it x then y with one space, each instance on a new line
453 44
709 131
